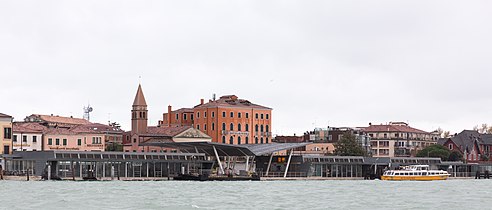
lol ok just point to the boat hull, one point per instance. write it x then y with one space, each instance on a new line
414 178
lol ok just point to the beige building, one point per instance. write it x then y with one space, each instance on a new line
5 134
397 139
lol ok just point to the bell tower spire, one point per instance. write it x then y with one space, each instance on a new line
139 113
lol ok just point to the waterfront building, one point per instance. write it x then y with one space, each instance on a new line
398 139
228 120
170 132
5 134
27 136
334 134
474 146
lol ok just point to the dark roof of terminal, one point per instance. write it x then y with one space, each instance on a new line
229 149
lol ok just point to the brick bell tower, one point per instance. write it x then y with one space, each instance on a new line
139 113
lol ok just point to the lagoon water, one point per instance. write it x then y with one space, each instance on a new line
361 194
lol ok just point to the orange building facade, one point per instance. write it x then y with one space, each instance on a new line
227 120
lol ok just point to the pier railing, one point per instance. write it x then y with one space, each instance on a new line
281 174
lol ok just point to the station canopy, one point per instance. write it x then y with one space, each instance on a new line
227 149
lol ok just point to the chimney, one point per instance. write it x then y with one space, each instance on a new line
169 110
202 101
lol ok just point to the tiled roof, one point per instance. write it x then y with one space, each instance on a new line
4 116
27 127
393 128
139 98
184 110
64 120
165 131
96 128
231 101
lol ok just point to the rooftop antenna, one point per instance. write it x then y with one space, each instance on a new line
87 110
213 97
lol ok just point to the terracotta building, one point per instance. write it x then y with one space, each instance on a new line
176 131
49 132
474 146
227 120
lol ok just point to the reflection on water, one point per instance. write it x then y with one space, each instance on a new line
375 194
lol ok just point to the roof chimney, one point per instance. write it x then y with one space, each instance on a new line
202 101
169 110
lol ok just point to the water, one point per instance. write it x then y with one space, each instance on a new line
362 194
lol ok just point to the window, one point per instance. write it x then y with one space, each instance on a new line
50 141
79 142
205 114
450 147
267 129
213 114
177 116
261 141
223 126
191 116
205 127
231 127
232 114
256 128
213 126
262 116
267 116
239 115
57 141
261 128
198 115
247 127
140 114
223 139
7 133
256 140
247 115
239 127
144 115
15 138
65 142
247 140
198 127
24 138
239 140
256 115
184 116
223 114
34 138
231 140
266 141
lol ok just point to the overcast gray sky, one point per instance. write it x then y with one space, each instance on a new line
316 63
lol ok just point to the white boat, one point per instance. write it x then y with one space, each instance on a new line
415 173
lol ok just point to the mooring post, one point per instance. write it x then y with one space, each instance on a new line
1 172
112 172
27 174
73 172
49 172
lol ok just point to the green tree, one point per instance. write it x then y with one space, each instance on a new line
455 156
348 146
435 150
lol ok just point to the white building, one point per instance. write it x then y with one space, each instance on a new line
27 137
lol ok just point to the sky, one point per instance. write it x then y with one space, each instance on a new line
316 63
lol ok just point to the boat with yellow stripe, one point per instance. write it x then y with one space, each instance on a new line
415 173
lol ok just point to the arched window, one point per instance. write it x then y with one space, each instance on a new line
262 116
213 126
261 128
239 140
198 127
266 142
140 114
205 127
239 127
247 140
261 140
256 140
231 126
144 115
267 116
223 126
231 140
223 139
247 127
267 128
256 128
198 115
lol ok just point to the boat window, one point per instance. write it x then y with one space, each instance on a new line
424 173
406 174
